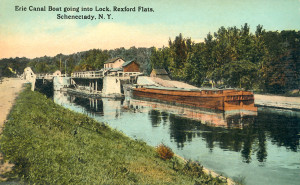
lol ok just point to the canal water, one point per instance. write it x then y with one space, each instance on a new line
251 147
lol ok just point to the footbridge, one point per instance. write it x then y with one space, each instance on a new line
55 79
102 82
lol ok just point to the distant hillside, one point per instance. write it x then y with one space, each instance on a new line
81 61
263 61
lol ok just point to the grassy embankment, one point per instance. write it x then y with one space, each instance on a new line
52 145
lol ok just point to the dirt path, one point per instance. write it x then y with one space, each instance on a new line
9 90
277 101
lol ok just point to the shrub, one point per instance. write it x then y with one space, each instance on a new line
164 152
193 168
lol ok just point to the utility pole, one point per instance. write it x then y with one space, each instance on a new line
65 68
60 63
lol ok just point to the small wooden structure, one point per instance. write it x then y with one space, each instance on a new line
160 73
131 66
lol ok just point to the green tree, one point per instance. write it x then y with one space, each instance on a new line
101 57
240 74
179 49
160 58
196 67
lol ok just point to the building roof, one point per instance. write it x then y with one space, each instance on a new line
112 60
145 80
160 71
129 62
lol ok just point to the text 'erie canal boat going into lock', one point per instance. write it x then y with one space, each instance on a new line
217 99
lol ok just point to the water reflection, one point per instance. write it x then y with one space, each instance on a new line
239 140
89 105
268 138
244 132
155 117
248 140
231 119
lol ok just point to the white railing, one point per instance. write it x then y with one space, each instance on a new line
48 76
100 74
87 74
90 74
128 74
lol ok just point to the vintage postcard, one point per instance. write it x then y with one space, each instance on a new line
149 92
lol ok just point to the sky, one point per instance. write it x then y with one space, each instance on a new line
38 33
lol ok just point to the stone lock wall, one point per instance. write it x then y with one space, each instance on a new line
111 85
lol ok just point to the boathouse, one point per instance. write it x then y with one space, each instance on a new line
160 73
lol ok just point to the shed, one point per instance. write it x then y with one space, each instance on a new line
131 66
160 73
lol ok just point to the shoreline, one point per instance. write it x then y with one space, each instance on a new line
278 102
211 172
205 170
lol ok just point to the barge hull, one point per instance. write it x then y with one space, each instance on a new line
224 100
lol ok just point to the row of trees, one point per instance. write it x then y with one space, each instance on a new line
90 60
266 61
81 61
233 57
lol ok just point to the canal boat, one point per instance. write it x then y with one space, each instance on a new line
218 99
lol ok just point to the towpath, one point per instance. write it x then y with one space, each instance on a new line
9 90
277 101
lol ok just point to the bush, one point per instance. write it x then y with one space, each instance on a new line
164 152
193 168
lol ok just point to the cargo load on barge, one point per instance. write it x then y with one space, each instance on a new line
218 99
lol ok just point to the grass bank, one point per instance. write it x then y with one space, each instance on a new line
49 144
